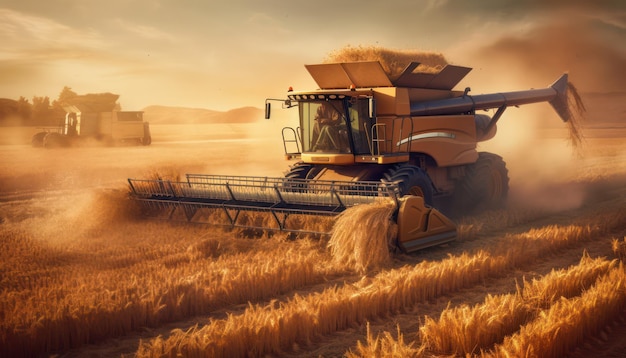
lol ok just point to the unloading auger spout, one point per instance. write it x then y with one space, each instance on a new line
556 95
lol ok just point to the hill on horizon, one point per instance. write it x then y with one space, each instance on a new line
181 115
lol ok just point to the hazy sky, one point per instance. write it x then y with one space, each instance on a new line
227 54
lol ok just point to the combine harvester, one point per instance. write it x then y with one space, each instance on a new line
364 136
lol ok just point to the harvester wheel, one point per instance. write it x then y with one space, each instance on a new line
412 180
147 137
300 170
484 187
37 139
55 140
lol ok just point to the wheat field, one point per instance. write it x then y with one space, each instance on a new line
82 274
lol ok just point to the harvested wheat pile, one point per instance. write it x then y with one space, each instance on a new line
362 236
393 61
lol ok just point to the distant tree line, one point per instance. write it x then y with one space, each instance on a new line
41 112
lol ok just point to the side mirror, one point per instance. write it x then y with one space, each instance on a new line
268 110
372 107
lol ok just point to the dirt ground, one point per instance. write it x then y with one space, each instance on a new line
41 189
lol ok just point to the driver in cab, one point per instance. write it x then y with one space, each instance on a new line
327 115
326 132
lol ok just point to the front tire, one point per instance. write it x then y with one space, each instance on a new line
55 140
37 139
147 138
299 170
412 180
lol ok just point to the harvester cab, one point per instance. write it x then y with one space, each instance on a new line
366 136
332 123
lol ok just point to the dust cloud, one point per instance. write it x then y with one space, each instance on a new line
67 194
543 154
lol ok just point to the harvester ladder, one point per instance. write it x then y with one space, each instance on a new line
387 144
377 128
292 133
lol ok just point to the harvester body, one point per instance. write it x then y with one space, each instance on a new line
425 123
410 139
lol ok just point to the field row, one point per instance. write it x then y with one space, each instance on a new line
277 327
64 294
93 284
85 289
547 318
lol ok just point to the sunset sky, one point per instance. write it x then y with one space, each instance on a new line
227 54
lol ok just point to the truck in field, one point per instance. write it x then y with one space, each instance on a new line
89 121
